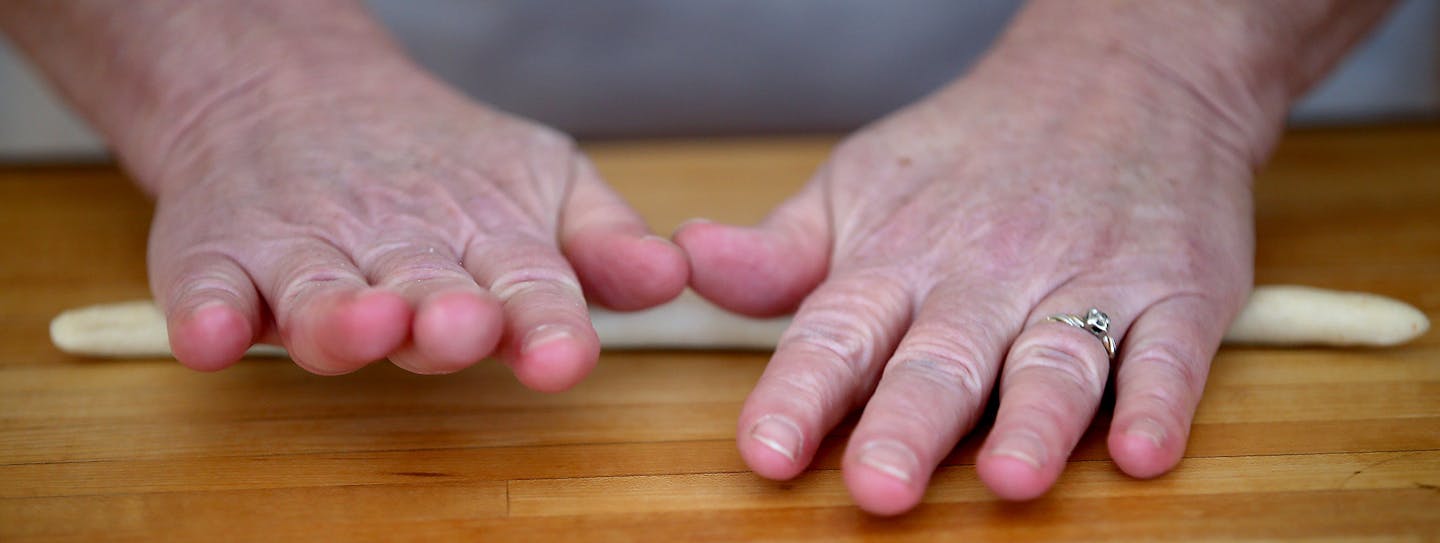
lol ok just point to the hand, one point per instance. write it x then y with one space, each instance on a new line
929 251
396 220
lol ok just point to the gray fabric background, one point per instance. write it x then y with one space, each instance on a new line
702 66
658 67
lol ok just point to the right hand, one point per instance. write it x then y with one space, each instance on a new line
928 252
403 222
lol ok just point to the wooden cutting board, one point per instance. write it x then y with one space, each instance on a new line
1288 443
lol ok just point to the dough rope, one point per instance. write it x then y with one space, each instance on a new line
1278 315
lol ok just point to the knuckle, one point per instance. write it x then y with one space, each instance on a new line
206 281
1084 366
387 253
1179 368
200 273
955 374
543 152
554 141
920 417
957 391
314 273
307 278
815 390
414 250
834 369
1164 399
850 322
402 263
1044 418
842 334
536 280
424 272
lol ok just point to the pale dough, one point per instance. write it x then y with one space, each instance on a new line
1275 315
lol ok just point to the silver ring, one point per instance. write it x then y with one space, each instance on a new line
1096 322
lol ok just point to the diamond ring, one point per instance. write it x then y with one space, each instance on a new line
1096 322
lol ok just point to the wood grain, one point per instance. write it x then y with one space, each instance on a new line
1306 444
1082 480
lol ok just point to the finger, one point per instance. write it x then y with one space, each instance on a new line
1050 387
931 393
825 362
619 262
211 308
329 318
1163 364
764 270
548 342
456 322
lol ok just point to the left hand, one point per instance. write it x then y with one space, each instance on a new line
932 246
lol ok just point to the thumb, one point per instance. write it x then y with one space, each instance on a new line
764 270
620 264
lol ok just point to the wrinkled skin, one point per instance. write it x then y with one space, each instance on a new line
314 187
406 222
401 221
938 240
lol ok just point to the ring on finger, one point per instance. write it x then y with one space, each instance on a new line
1096 322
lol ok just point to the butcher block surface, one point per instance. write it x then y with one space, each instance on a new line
1288 443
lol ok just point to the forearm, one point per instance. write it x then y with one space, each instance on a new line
150 74
1234 66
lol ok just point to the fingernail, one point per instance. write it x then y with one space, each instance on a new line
1148 429
201 308
779 434
545 333
891 458
1023 446
696 220
665 240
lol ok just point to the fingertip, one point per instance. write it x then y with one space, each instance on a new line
628 272
211 306
1016 464
750 270
768 463
1141 449
606 242
453 330
357 329
773 446
211 337
884 475
1011 478
667 280
880 490
554 358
